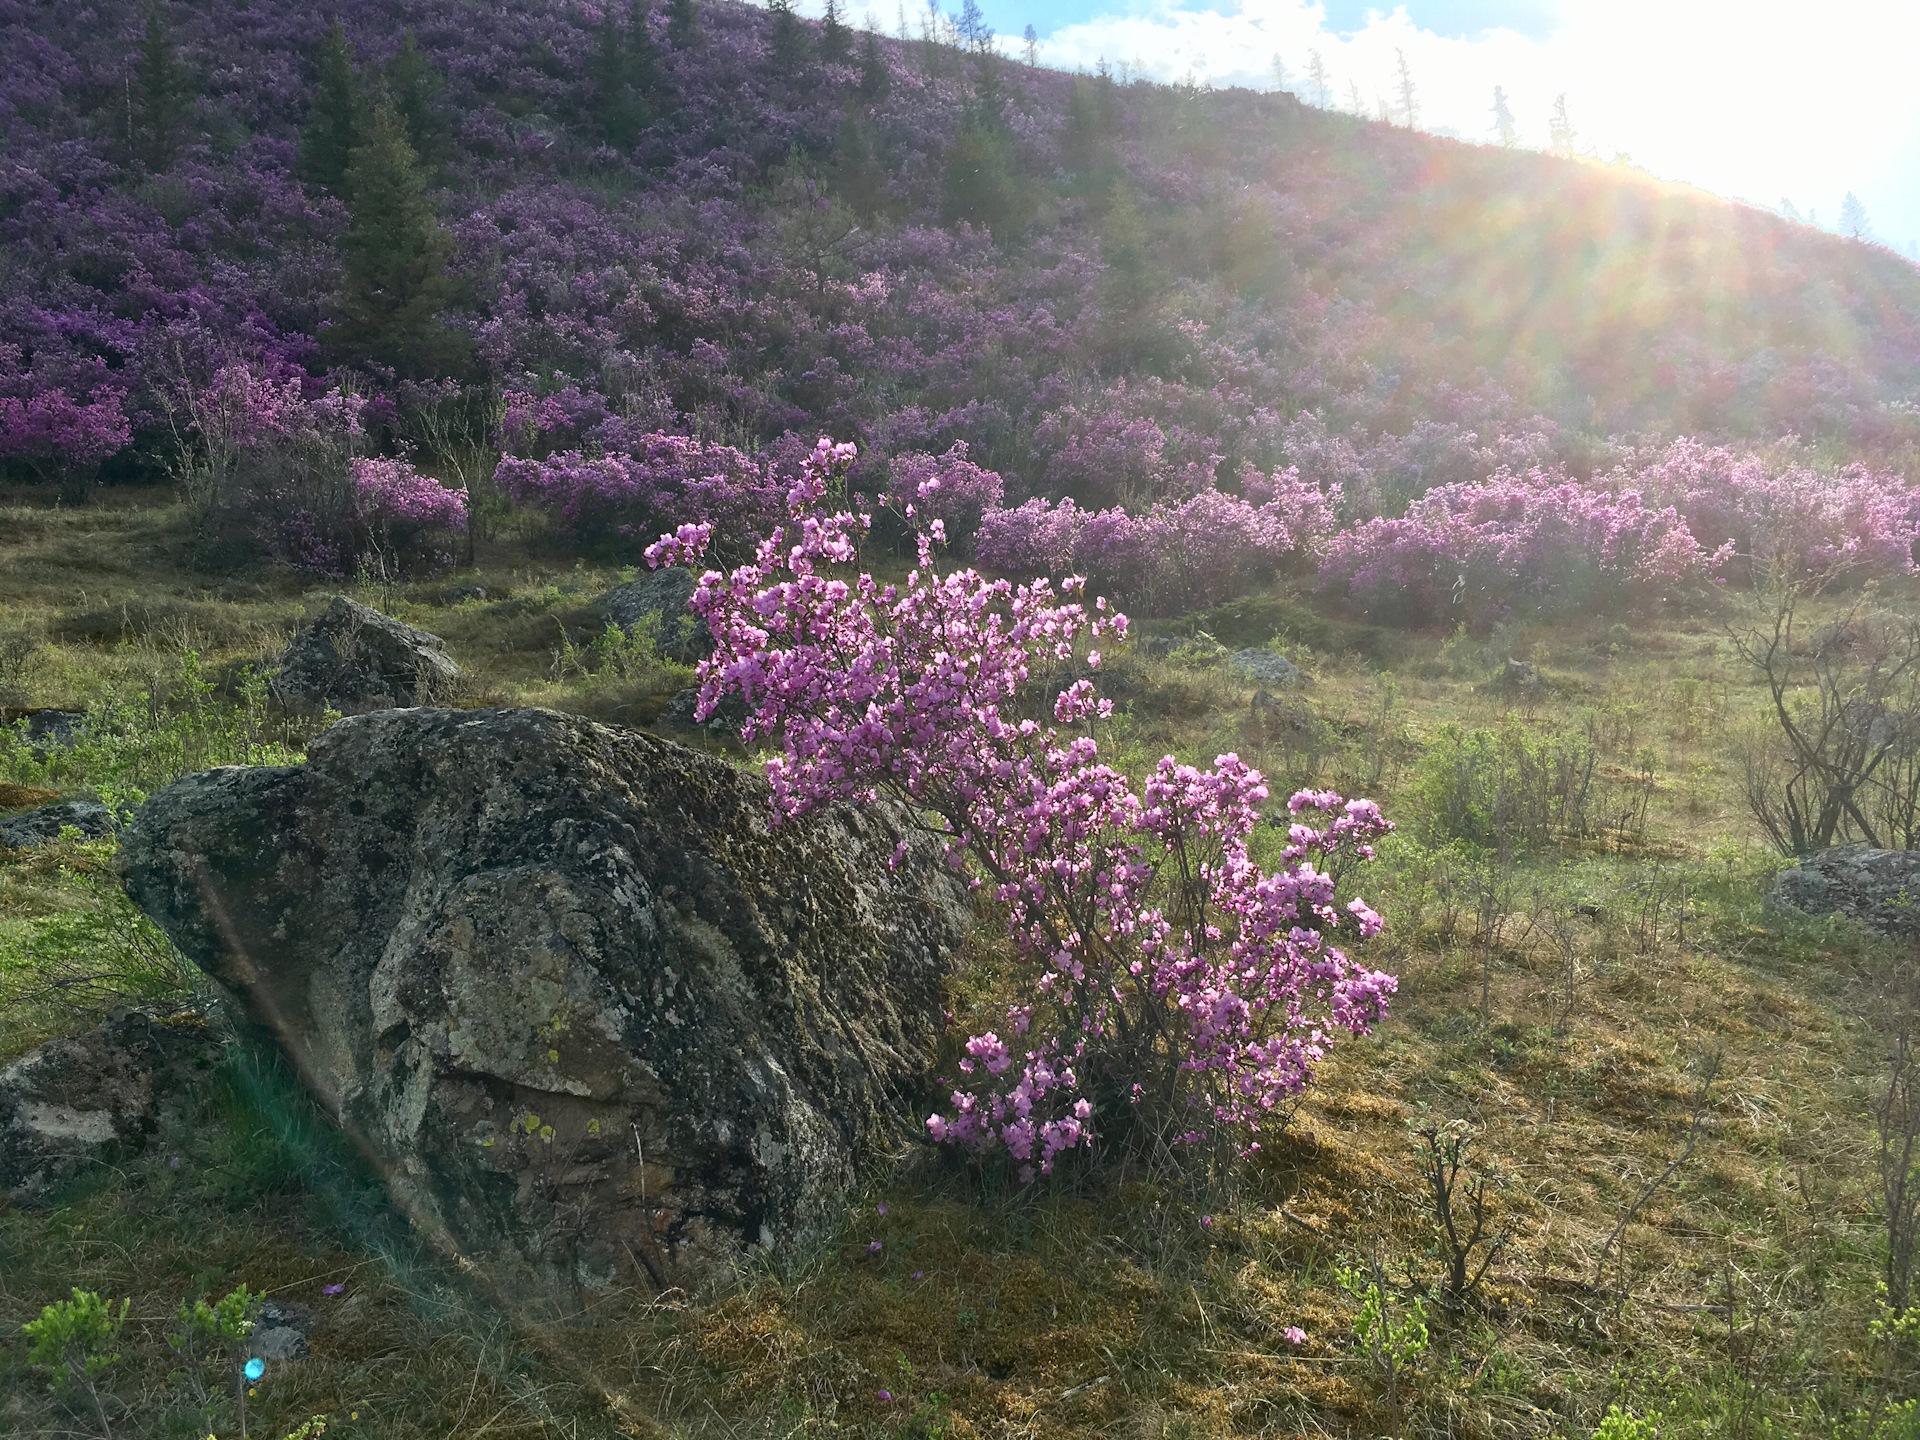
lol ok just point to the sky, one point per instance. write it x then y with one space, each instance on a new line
1759 100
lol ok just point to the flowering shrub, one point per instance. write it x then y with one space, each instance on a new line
661 480
1171 557
392 495
1853 523
1163 978
49 429
950 489
1472 551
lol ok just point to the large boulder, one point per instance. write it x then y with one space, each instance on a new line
682 636
354 659
94 1099
595 1015
1879 888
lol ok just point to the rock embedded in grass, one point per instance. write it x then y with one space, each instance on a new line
597 1019
54 729
683 635
44 826
354 659
1269 667
1878 888
93 1099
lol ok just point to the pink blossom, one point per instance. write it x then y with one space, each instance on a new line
1134 911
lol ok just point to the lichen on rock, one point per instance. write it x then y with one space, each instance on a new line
596 1016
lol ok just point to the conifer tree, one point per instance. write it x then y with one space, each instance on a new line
1560 131
1503 122
1030 42
414 87
625 74
857 172
981 186
396 256
1409 111
1126 253
333 124
787 38
834 40
1853 218
1317 77
876 79
683 24
163 94
1087 138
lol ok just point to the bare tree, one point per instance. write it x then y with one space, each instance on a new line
1896 1116
1842 759
1702 1107
1409 111
1460 1209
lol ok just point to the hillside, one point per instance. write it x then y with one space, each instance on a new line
729 233
1519 460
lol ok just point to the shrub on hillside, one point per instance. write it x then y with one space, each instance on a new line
1171 557
1163 983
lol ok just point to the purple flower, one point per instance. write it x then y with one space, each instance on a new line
901 687
337 1288
1294 1335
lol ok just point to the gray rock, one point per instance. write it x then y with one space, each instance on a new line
93 1099
1519 677
1879 888
353 659
1269 667
683 635
280 1331
596 1017
43 826
727 718
54 729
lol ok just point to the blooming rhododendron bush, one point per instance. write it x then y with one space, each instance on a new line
1162 979
271 469
1687 515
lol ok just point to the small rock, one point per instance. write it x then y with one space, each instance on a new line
353 659
1878 888
1263 701
1269 667
92 1099
43 826
280 1331
1519 677
683 635
54 729
727 718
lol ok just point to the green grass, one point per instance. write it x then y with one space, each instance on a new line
1737 1302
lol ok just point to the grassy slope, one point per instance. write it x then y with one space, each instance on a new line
1086 1308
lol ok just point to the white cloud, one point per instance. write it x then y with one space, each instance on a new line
1751 98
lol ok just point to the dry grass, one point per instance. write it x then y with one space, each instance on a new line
1101 1305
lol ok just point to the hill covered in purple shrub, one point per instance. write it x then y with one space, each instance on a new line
606 240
